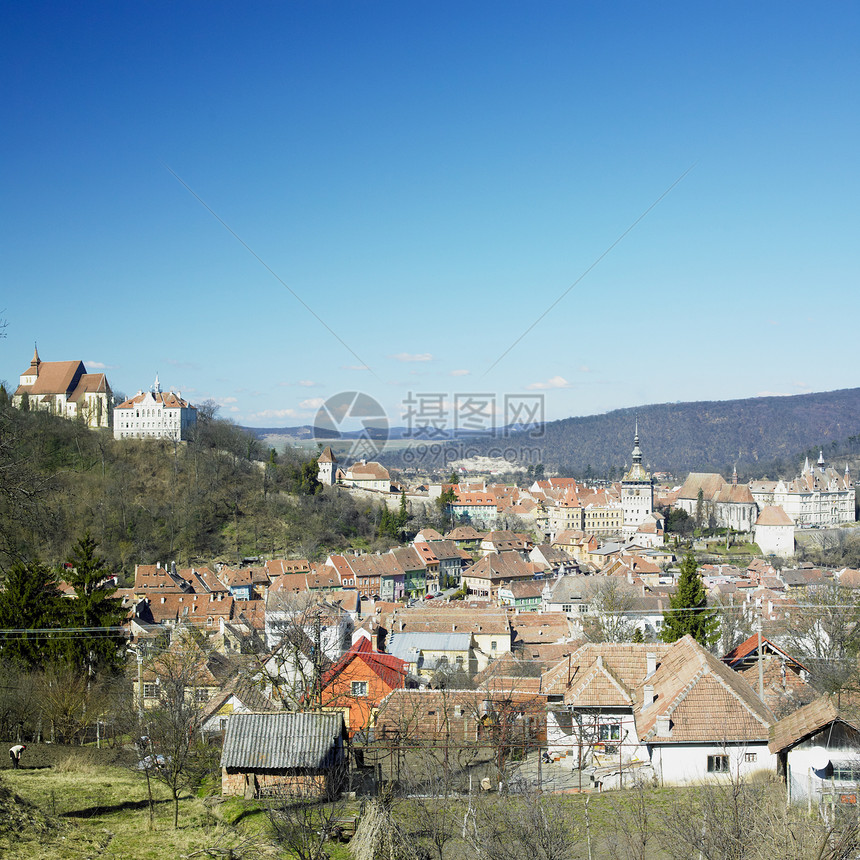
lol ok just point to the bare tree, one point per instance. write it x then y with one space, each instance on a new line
172 742
303 821
292 673
612 599
746 819
632 834
735 625
823 633
530 825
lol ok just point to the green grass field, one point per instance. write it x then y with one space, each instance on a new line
80 802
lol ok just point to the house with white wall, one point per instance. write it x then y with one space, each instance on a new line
675 708
818 752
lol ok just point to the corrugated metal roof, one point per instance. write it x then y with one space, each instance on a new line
276 741
403 645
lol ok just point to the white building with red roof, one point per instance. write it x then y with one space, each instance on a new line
65 388
154 414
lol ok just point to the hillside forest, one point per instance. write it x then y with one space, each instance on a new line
218 497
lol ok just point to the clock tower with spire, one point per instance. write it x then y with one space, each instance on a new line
637 491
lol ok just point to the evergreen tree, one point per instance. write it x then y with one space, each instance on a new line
689 611
94 607
637 637
403 514
30 600
387 523
25 402
4 396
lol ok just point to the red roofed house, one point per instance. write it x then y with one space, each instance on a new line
154 415
674 707
65 388
368 476
784 678
359 681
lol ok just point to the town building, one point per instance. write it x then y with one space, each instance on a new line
154 414
709 495
365 475
674 710
64 388
637 492
816 748
774 532
819 496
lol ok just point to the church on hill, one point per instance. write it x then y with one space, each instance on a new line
65 388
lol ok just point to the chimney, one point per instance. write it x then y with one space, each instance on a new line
663 729
650 664
647 696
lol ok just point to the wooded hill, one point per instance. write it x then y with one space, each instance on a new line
219 496
759 433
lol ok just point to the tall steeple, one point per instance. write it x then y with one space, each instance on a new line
156 386
34 364
637 491
637 454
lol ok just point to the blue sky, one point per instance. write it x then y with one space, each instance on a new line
429 178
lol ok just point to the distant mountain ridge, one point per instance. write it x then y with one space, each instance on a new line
681 437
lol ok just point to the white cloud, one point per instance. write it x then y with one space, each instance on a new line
312 403
410 356
460 372
234 409
584 368
307 383
555 382
354 367
98 365
223 401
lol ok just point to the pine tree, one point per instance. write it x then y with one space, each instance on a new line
94 607
403 514
689 613
30 600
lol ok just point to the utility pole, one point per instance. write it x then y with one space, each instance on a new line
760 661
317 678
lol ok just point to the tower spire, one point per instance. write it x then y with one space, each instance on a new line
637 454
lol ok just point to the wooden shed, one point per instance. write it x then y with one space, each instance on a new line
302 755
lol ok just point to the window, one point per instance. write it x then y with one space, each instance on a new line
609 732
846 771
493 645
201 696
718 764
359 688
565 607
149 691
750 756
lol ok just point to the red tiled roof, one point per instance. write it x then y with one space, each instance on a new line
392 670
